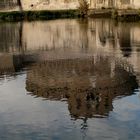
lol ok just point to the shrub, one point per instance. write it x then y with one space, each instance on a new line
83 7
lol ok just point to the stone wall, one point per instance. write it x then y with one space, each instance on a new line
66 4
49 4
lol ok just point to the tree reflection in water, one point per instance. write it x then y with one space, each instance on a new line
88 79
88 85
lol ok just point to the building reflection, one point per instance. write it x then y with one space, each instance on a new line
88 85
90 36
76 35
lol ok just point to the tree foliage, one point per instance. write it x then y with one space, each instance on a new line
83 7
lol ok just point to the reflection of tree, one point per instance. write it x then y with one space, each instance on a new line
89 87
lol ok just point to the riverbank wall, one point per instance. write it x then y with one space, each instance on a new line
14 10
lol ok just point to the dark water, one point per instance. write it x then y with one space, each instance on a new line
70 79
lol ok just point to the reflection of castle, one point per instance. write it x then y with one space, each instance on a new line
75 39
89 85
74 35
92 36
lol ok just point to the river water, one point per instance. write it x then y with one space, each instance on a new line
70 79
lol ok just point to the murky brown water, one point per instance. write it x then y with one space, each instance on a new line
69 79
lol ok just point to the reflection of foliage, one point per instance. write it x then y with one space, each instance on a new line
83 7
89 87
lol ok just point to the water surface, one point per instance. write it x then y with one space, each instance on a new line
69 79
